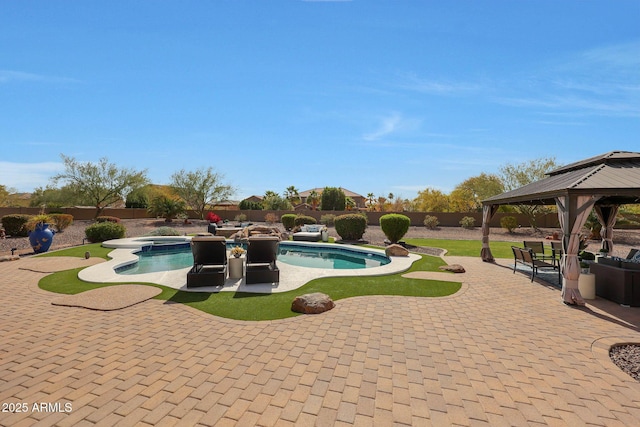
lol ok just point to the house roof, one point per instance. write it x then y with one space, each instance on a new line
615 176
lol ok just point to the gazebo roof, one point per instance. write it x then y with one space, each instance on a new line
615 176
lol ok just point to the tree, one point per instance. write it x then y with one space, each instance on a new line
333 199
292 194
469 194
371 199
200 188
101 183
518 175
431 200
4 196
314 199
273 201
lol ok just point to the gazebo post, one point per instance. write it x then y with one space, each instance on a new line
488 211
573 212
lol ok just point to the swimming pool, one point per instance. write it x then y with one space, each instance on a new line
175 256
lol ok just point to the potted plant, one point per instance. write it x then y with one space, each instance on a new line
604 252
237 251
40 235
584 267
587 257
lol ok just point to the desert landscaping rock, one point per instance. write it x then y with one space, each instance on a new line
396 250
314 303
454 268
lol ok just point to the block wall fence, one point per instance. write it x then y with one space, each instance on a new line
417 218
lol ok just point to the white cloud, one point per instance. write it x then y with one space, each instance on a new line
8 76
392 124
25 177
437 87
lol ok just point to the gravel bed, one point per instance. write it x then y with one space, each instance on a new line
626 357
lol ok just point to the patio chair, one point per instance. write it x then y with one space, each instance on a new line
209 261
556 253
261 260
538 250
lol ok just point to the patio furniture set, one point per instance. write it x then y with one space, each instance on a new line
533 255
211 264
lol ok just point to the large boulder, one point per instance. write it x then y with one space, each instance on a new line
314 303
396 250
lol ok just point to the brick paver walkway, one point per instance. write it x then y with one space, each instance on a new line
503 351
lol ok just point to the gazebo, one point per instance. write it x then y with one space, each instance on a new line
603 182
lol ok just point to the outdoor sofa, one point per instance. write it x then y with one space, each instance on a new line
309 233
618 279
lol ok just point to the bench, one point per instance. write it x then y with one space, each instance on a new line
526 256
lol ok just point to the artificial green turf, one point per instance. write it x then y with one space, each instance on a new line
466 247
251 306
95 249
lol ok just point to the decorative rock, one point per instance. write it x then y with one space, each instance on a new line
396 250
455 268
312 303
87 255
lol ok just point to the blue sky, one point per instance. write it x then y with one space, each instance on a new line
374 96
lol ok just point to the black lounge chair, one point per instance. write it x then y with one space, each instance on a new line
261 260
209 261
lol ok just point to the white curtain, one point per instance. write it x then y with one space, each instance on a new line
607 217
488 211
572 214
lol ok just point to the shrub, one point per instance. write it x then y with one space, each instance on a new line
351 226
14 225
164 231
240 217
106 218
61 221
288 221
101 231
213 218
34 220
467 222
304 219
328 219
270 218
509 223
394 226
431 222
167 207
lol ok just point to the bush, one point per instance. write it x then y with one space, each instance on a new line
61 221
431 222
288 221
35 220
394 226
164 231
304 219
351 226
14 225
106 218
509 223
240 217
328 219
250 205
332 199
270 218
213 218
468 222
101 231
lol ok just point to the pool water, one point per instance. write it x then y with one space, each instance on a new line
174 257
329 257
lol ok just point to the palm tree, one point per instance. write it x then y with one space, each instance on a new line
292 194
314 199
370 200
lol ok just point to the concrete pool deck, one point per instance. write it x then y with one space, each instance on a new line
291 277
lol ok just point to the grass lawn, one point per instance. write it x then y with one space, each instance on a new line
250 306
467 247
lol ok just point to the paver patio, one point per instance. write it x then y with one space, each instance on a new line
503 351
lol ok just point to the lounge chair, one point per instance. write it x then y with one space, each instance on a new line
209 261
261 260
